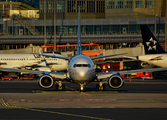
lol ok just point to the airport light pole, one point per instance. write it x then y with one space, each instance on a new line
45 42
155 19
54 25
166 25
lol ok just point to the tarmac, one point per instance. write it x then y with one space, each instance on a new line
143 99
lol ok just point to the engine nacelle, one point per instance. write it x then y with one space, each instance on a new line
46 81
144 64
115 81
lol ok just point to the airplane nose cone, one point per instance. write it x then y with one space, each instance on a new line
82 74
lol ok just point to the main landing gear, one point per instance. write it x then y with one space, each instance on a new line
60 86
101 86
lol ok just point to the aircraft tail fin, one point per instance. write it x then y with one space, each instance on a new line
151 45
79 33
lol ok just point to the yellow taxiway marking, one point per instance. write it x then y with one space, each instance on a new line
68 114
5 104
102 92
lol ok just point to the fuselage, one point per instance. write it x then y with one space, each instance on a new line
81 69
161 60
19 60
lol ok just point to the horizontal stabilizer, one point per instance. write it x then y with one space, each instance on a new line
156 58
130 57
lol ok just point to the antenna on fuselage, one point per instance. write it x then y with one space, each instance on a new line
79 33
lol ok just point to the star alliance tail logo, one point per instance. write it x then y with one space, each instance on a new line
151 44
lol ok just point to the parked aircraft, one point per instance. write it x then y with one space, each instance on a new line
154 53
33 61
81 70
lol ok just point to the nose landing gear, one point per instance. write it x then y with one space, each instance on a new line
81 87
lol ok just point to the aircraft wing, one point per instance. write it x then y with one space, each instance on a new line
107 56
54 56
108 74
136 58
20 70
58 75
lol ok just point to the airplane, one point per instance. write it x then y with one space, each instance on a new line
33 61
154 53
81 70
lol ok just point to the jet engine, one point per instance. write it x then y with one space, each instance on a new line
115 81
144 64
46 81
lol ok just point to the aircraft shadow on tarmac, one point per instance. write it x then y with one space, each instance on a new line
129 87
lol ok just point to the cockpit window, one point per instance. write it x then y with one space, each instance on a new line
82 65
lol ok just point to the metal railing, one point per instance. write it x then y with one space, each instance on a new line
26 24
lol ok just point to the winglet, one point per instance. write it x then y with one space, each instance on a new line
79 33
151 45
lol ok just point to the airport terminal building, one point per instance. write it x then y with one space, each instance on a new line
102 21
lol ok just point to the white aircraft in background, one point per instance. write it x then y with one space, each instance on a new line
154 53
33 61
81 70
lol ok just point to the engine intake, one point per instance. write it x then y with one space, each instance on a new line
46 81
115 81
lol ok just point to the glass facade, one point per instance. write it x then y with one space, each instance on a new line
41 6
89 29
71 6
119 4
149 3
60 6
110 4
139 3
93 27
32 3
91 6
100 6
82 5
128 3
